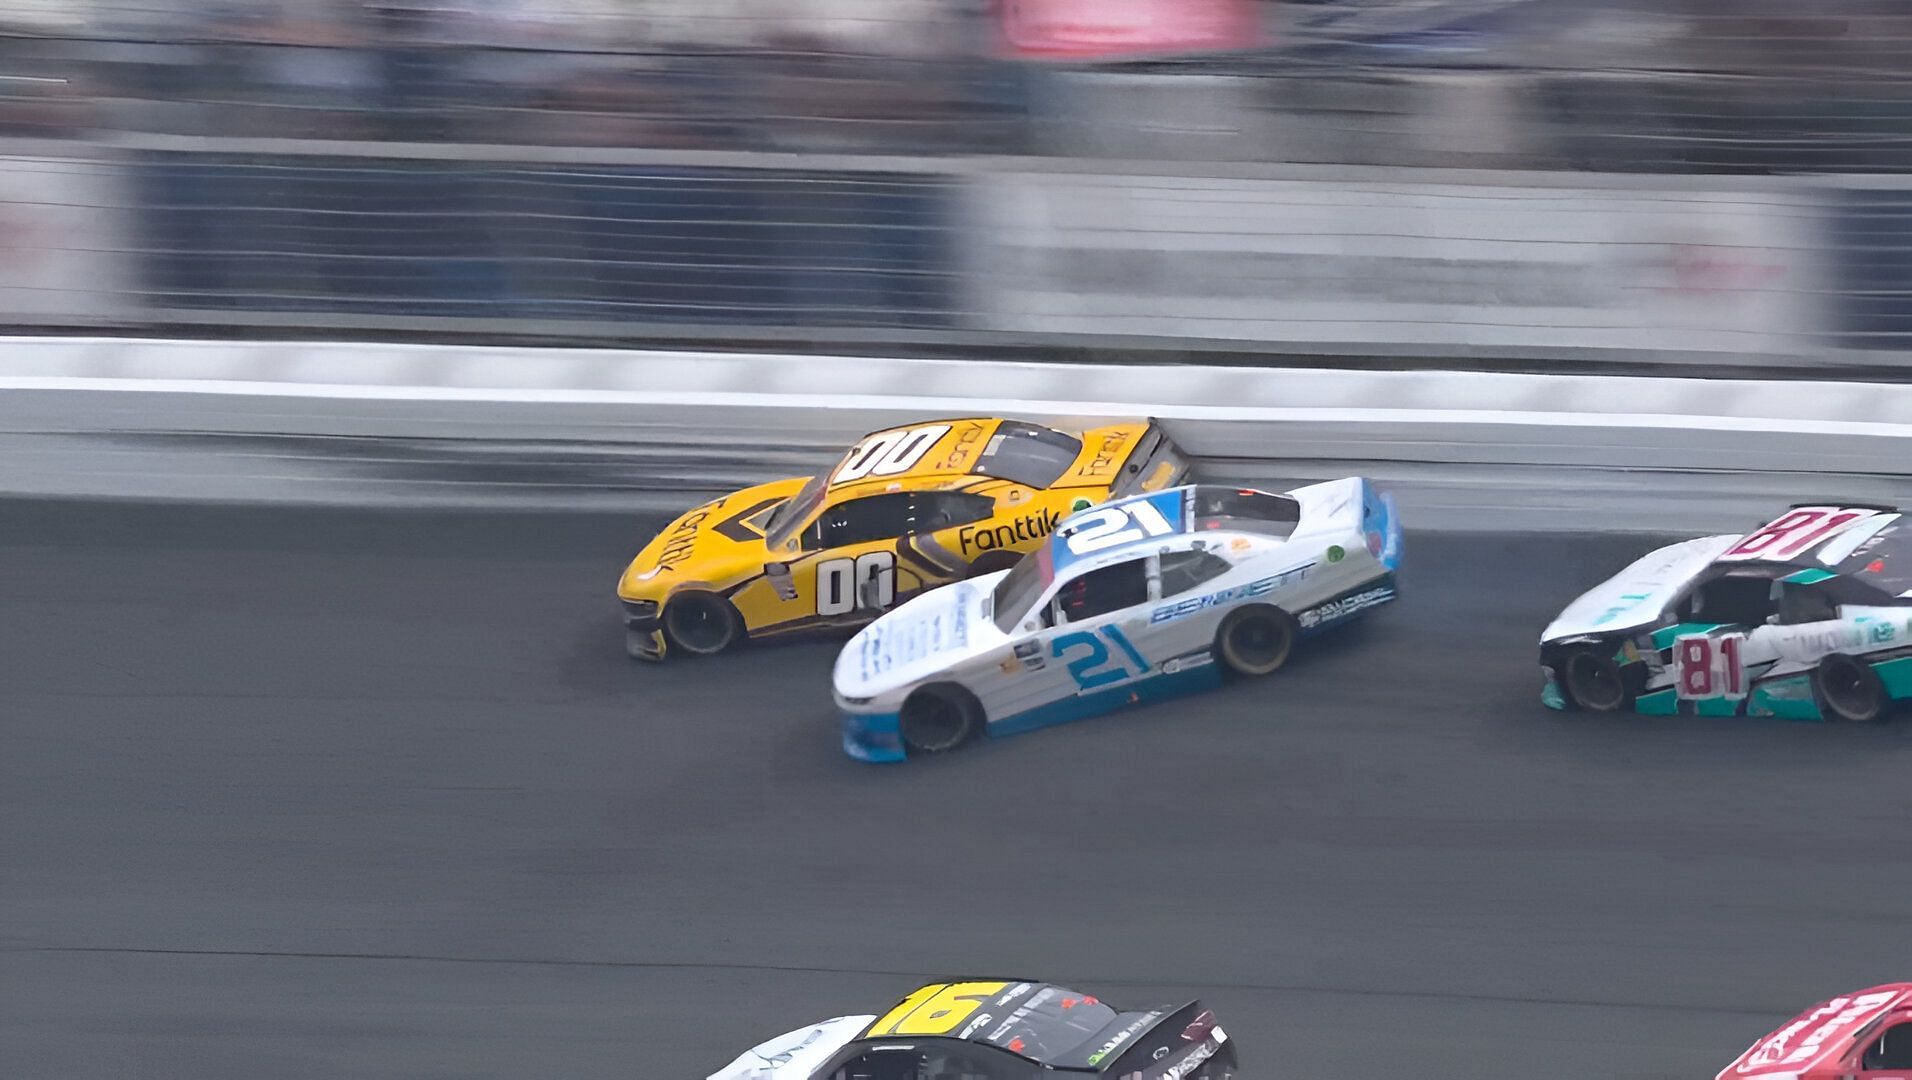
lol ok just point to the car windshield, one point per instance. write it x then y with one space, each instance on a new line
1028 454
1884 561
1019 590
795 511
1246 511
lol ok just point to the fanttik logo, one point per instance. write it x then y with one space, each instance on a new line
1009 535
683 537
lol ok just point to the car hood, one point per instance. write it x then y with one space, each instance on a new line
919 639
794 1055
709 544
1634 597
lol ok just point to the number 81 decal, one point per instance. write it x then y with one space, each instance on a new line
1710 667
841 582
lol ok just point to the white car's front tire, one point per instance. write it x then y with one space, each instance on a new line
939 718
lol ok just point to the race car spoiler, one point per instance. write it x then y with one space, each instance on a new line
1153 1043
1155 463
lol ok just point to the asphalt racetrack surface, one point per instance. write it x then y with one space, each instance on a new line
332 793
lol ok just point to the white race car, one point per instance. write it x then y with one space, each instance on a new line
1128 601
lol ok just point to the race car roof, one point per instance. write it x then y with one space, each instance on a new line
1818 1037
1820 535
1103 532
1043 1022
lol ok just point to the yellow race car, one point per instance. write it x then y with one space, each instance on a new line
904 510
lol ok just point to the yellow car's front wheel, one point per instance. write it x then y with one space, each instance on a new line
701 623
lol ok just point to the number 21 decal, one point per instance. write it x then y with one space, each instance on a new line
1096 530
1710 667
1094 668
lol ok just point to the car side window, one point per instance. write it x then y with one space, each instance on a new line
1098 592
935 510
893 514
1892 1051
859 521
1185 570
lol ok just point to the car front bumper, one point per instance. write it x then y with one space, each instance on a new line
643 629
873 737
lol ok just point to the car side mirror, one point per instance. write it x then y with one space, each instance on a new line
869 594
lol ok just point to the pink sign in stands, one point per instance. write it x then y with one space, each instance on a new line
1095 29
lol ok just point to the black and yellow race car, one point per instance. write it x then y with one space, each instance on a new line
904 510
998 1029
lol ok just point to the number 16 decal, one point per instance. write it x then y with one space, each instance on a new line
1710 667
1094 667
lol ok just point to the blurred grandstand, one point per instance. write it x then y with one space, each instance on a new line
1516 180
1614 85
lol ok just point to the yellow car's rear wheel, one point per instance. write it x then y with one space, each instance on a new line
701 623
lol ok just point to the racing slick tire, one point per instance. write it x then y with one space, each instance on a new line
1595 682
938 718
1848 689
701 623
992 561
1255 641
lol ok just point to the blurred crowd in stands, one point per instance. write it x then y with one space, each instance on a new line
1742 85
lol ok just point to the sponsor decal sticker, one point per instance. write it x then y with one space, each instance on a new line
683 536
1184 608
1336 610
1179 664
1008 535
1193 1061
1336 553
1121 1037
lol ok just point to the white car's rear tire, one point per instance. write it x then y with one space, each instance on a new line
1848 689
1255 641
938 718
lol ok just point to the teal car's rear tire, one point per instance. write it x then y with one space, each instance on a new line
701 623
1255 641
1594 681
1848 689
938 718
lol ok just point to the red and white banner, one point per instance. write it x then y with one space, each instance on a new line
1100 29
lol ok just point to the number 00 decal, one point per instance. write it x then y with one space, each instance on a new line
888 453
840 582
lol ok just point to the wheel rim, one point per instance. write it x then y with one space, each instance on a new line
1595 682
933 723
700 626
1258 644
1849 691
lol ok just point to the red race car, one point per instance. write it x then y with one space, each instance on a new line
1864 1035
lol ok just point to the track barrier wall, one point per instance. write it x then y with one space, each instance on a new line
1434 267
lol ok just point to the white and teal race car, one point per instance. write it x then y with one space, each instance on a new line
1808 617
1128 601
